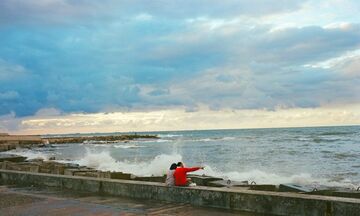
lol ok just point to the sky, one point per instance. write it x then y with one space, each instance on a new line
70 66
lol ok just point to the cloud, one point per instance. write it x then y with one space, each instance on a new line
65 11
96 56
10 71
179 119
9 95
9 123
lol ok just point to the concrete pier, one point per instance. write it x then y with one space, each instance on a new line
31 201
232 199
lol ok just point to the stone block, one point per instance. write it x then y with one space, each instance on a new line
92 174
264 187
44 170
70 172
34 168
58 169
150 178
120 175
104 174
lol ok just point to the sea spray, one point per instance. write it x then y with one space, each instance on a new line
29 154
104 161
261 177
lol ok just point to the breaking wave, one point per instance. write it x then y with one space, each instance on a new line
169 135
104 161
159 165
29 154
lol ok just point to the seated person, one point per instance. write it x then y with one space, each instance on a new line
180 174
170 181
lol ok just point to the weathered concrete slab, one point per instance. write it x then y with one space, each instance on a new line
150 178
294 188
46 201
12 158
338 192
121 175
203 180
263 187
228 183
225 198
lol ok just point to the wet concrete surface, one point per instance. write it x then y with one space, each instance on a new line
49 201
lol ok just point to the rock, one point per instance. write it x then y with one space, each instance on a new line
52 158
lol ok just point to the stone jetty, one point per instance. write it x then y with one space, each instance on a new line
9 142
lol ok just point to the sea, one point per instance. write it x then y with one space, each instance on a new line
309 156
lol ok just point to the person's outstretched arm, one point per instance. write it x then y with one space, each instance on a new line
192 169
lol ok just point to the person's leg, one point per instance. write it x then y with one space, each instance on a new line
190 183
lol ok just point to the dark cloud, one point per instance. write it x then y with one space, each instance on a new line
307 44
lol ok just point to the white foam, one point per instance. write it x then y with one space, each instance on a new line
29 154
157 140
128 146
261 177
170 135
215 139
103 161
161 163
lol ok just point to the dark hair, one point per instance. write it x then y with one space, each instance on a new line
179 164
173 166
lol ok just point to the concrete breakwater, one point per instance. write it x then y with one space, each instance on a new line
8 142
266 202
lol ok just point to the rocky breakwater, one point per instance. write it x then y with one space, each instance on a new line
104 139
9 142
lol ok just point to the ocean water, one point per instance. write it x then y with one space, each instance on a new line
310 156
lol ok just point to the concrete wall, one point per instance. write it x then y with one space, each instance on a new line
21 138
244 200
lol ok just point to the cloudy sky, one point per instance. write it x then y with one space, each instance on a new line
124 65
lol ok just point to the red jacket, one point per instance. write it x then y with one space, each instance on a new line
180 175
